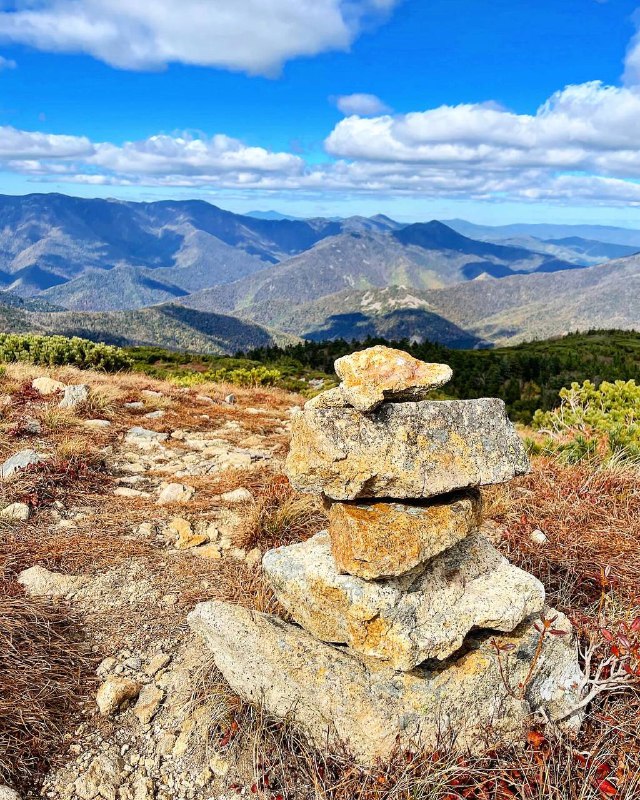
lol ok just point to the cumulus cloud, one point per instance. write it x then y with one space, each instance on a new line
255 36
589 126
186 155
18 145
180 160
581 146
361 104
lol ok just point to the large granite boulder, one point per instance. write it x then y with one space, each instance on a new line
403 450
382 373
406 620
339 698
380 540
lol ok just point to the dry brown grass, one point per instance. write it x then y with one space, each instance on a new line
195 580
81 550
45 674
280 516
591 519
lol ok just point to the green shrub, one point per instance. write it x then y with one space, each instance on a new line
53 351
594 423
253 376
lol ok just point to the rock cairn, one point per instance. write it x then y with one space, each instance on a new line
414 630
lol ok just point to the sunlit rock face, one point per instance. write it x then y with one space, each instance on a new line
401 450
379 540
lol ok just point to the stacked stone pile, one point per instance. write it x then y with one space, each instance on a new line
407 612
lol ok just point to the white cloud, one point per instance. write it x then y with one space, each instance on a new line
361 104
7 63
185 155
255 36
180 160
581 146
18 145
589 126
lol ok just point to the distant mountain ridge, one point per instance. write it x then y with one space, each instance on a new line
168 325
422 256
96 254
64 236
202 276
472 314
547 230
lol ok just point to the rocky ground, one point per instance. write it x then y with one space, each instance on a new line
181 482
125 501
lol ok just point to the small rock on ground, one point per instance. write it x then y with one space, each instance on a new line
16 512
41 582
18 461
8 794
175 493
538 536
74 395
241 495
46 386
125 491
148 703
114 693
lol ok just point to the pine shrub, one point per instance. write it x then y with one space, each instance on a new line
50 351
594 423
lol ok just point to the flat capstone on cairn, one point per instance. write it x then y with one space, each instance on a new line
412 629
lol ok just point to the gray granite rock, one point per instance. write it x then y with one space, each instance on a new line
337 697
403 450
19 461
421 615
74 395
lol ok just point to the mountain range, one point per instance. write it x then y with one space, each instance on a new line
189 275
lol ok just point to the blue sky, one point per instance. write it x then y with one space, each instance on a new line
493 110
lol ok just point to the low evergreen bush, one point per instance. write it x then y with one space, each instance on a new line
53 351
594 423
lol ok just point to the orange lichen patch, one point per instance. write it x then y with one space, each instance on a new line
373 635
374 540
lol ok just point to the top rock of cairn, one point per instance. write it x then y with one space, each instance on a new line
371 376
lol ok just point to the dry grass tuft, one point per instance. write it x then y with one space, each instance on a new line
197 580
45 671
69 479
74 551
104 401
281 516
58 419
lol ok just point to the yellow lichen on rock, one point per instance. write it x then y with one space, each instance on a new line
371 376
407 619
379 540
